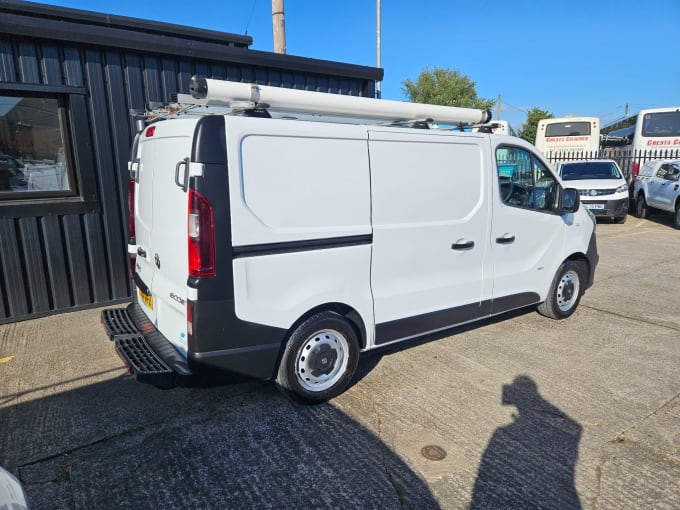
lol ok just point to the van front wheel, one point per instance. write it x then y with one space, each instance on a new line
319 360
565 291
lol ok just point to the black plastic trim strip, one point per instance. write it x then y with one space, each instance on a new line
141 285
418 325
259 250
238 350
593 258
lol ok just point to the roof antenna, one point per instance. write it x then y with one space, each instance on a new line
250 18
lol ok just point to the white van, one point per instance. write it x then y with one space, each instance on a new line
282 248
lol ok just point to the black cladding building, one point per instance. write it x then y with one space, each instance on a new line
68 79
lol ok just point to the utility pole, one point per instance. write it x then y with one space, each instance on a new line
378 86
278 26
498 109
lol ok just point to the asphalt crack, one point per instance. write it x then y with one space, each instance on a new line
628 317
604 458
78 448
399 491
622 437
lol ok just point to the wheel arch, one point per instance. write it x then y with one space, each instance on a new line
341 309
583 258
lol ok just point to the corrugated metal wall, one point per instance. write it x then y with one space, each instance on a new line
55 260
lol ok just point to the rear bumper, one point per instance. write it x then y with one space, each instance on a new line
145 351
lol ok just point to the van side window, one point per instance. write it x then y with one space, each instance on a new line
523 180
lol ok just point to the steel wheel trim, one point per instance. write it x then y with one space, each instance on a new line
568 291
322 360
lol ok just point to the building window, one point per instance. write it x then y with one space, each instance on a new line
34 156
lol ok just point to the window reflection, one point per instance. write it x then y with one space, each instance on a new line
32 156
523 180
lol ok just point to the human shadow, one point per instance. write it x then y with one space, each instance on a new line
529 463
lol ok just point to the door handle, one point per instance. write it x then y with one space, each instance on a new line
506 239
463 245
184 183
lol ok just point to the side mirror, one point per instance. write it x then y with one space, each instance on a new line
570 201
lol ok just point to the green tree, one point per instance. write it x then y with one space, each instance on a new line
446 87
528 129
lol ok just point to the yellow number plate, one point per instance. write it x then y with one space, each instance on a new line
147 299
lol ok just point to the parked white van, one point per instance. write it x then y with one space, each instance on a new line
280 248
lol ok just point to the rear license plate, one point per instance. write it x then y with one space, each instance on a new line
595 206
147 299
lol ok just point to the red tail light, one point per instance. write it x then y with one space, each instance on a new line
201 233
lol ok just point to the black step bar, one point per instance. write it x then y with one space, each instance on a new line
145 351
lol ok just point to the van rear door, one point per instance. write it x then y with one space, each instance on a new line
161 227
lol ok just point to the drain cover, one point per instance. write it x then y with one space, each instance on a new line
433 452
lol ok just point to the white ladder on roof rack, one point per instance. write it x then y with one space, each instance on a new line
208 92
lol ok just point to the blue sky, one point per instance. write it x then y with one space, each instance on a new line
571 58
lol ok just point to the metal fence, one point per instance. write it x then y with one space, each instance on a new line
630 161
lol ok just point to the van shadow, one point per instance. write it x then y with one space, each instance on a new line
369 360
121 444
529 463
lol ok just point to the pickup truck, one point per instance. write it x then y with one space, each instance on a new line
658 186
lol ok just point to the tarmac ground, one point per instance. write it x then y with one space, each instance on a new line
516 412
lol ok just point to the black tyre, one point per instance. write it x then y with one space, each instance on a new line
565 291
676 216
640 206
620 220
319 359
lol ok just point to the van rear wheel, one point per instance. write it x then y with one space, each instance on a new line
319 359
565 291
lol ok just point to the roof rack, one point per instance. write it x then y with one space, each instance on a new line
246 96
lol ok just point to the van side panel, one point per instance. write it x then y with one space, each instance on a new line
297 181
300 208
431 220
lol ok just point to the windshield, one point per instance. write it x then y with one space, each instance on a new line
589 170
661 124
567 129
